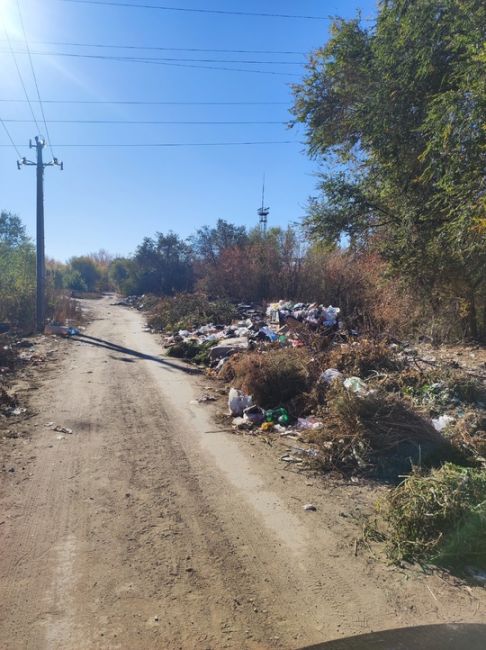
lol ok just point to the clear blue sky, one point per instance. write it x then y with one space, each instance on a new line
112 197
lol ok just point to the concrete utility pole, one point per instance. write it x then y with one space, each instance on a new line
40 312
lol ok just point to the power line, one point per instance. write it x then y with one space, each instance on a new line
166 122
170 62
11 139
153 59
19 73
194 10
35 78
170 144
144 103
165 49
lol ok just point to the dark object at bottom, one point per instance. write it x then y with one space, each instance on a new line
426 637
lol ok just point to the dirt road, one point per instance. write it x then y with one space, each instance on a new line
148 528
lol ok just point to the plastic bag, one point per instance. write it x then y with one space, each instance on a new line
238 401
254 414
356 385
330 375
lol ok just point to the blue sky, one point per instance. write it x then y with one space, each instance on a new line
112 197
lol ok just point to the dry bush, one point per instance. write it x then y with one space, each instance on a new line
273 378
189 311
364 357
378 435
62 308
360 284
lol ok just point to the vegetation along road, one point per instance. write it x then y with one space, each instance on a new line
148 527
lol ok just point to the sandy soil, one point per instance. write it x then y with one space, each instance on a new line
148 527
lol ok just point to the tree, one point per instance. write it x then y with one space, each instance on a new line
399 109
208 243
12 231
17 272
163 265
85 274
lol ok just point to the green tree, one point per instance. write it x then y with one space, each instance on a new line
208 243
399 110
163 265
84 274
17 272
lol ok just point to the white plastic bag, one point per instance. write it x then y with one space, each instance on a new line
330 375
238 401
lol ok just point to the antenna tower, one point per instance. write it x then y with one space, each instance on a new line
263 212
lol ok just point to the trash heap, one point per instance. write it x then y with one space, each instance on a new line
279 326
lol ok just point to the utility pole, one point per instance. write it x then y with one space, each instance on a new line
40 311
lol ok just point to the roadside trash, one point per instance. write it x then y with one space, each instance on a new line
60 330
310 423
270 334
289 458
16 411
241 423
63 429
227 348
355 384
238 401
330 375
442 422
254 414
205 398
279 415
58 428
310 507
267 426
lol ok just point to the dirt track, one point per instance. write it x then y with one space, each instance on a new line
148 528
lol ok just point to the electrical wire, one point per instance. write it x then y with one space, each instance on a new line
164 49
170 144
12 143
22 83
141 122
35 78
168 62
145 103
194 10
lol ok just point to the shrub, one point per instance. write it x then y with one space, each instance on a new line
364 357
440 517
273 378
198 352
189 311
377 435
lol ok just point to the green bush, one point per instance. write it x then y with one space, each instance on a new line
439 517
198 352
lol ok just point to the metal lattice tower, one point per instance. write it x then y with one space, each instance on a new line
263 212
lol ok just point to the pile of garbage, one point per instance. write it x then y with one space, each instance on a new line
254 330
312 314
250 417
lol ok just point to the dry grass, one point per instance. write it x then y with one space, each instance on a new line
377 435
364 357
64 309
273 378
